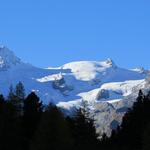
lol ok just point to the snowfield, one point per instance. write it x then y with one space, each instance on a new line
106 87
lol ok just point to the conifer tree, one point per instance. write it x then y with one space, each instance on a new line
16 97
146 137
85 131
9 127
2 100
32 109
32 105
53 131
11 93
20 91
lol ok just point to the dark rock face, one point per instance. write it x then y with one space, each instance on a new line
103 94
61 85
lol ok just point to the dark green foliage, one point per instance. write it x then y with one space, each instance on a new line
42 129
53 131
16 97
2 100
134 123
20 91
146 137
32 105
32 112
26 125
19 117
11 93
84 131
9 126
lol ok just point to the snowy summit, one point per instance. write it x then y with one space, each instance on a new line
7 58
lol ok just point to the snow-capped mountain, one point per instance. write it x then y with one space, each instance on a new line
7 58
106 87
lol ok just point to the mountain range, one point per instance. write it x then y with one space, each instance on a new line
107 89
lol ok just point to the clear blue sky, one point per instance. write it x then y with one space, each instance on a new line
54 32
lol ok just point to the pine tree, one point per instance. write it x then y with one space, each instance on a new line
16 97
9 127
84 130
53 131
20 91
32 105
32 112
146 138
2 100
20 97
11 93
146 128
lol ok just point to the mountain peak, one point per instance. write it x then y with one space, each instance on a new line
7 58
110 62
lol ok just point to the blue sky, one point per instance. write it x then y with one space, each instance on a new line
54 32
